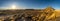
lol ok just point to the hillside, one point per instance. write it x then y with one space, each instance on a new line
57 13
47 14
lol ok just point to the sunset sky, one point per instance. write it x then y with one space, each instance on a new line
29 4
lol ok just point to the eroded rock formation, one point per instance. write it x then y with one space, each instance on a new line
30 14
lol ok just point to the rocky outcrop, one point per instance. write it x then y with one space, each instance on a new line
31 14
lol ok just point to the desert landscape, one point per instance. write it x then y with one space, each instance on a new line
57 15
29 10
47 14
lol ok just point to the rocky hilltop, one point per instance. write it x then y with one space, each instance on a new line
47 14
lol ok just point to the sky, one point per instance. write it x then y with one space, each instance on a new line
30 4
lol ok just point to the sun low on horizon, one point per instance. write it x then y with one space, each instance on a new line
13 7
29 4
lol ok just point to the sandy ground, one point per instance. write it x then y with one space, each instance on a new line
57 15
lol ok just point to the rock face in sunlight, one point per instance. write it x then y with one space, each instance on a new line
28 15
